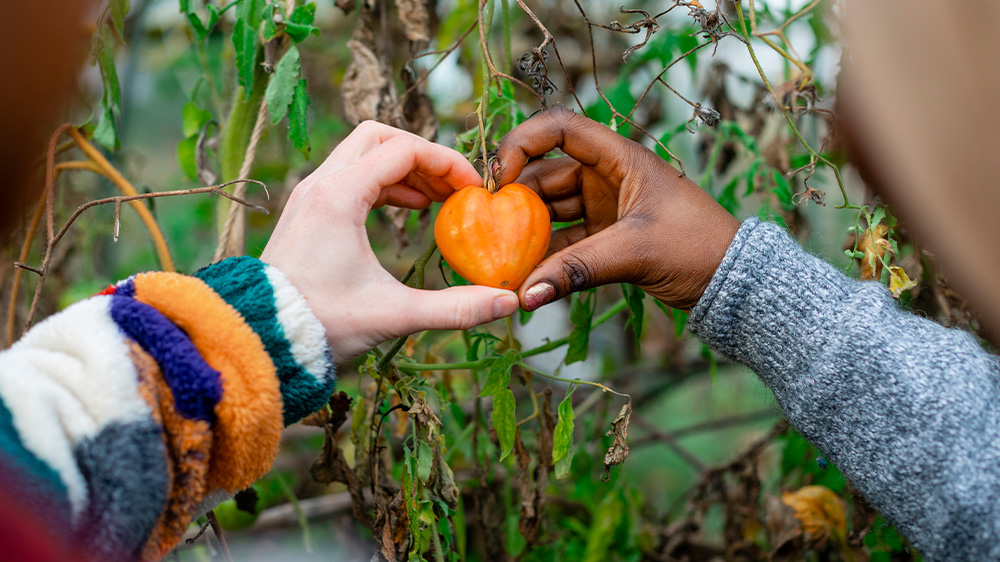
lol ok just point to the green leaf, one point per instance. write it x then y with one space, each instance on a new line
562 437
783 190
281 88
299 25
270 29
633 298
193 119
298 130
118 9
680 320
877 217
524 316
250 11
103 54
503 420
245 42
186 157
500 373
581 313
425 461
105 133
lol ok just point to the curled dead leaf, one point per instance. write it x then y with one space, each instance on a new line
899 281
416 20
619 449
820 512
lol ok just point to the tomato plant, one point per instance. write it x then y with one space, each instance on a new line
593 429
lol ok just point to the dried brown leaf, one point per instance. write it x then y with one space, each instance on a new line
416 20
619 449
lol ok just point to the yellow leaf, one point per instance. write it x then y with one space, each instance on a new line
899 281
820 512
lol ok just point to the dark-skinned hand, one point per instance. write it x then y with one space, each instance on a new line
643 223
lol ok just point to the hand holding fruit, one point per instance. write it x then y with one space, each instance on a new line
321 244
643 223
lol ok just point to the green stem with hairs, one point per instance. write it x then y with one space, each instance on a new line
237 131
486 361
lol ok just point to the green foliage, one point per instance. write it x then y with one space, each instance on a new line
562 445
281 88
581 313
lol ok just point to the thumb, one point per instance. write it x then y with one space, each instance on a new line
455 308
605 257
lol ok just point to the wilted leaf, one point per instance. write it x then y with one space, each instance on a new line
504 422
415 17
619 449
500 374
281 88
418 108
820 512
899 281
367 91
398 217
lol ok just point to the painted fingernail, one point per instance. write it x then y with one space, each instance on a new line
504 306
538 295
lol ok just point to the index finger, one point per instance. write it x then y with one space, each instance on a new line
393 161
584 140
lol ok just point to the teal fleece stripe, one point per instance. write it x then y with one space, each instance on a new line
34 481
242 282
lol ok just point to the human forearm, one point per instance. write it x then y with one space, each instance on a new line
906 408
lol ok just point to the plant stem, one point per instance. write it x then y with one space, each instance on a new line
788 118
572 381
303 521
416 272
237 131
486 361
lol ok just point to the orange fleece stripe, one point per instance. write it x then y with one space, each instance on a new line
188 443
248 425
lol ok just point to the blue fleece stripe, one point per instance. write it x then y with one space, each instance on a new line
196 386
31 479
125 469
126 288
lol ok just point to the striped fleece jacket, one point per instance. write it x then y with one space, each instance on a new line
128 415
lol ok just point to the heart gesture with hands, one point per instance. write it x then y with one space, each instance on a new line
321 245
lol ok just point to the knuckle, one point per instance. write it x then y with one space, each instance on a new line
465 313
578 274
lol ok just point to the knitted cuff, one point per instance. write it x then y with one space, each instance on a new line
767 297
281 317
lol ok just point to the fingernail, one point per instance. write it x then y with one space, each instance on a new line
504 306
538 294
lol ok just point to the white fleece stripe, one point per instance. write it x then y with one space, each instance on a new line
65 380
302 329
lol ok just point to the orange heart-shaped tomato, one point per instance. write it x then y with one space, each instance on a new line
493 239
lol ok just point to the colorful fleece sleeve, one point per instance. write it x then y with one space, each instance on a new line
128 415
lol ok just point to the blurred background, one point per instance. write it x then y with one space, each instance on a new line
710 465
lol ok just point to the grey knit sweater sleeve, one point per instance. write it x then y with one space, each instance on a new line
907 409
